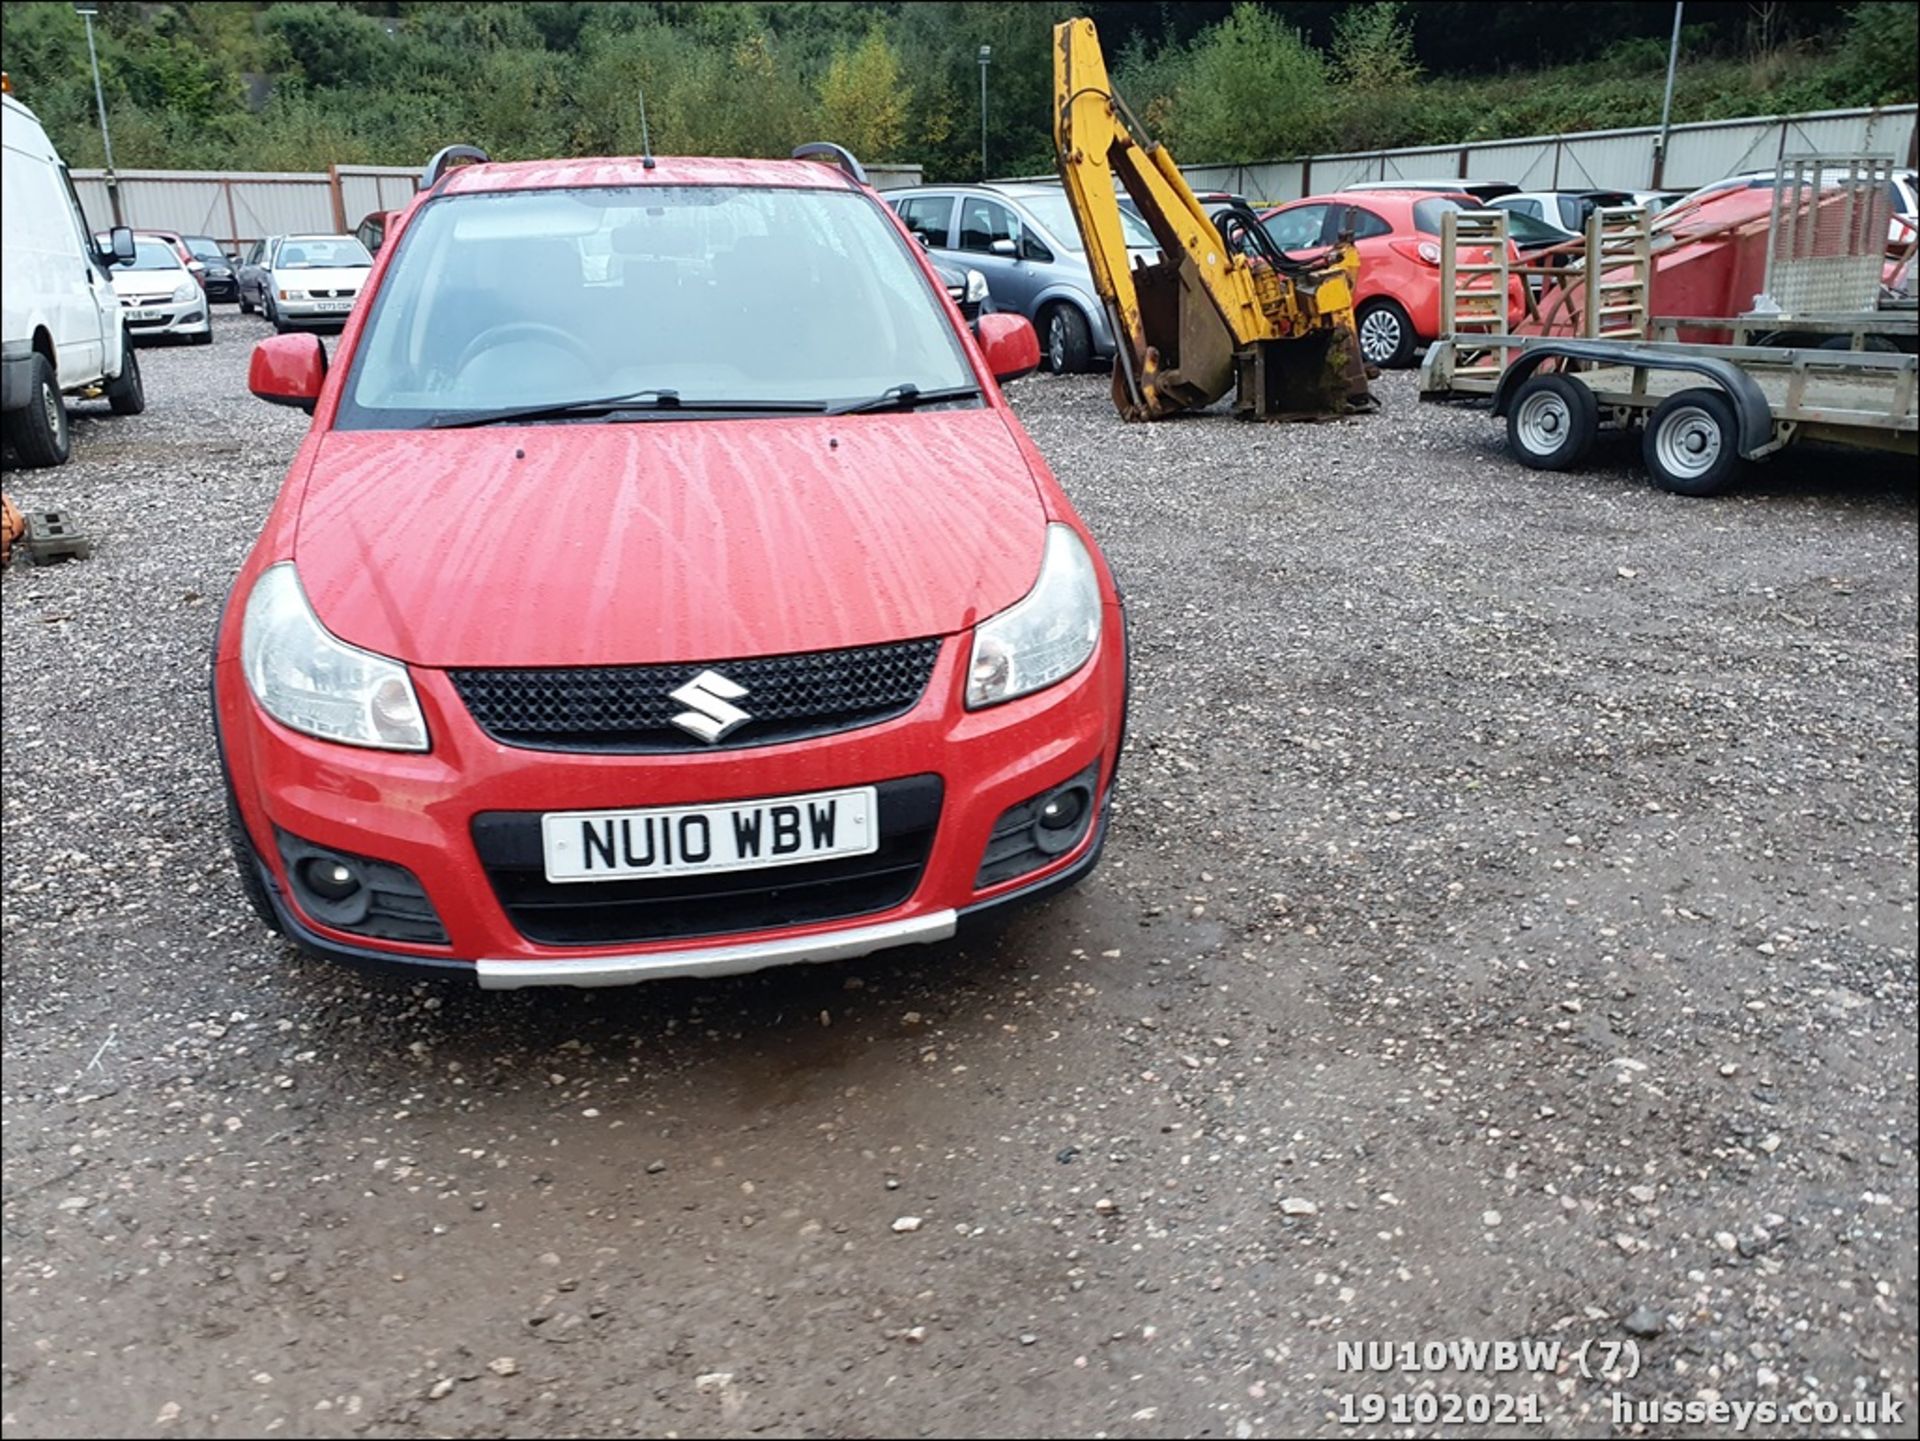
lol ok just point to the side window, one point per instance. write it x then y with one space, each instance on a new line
1033 248
1573 212
930 217
1299 228
984 221
78 215
1366 224
1530 207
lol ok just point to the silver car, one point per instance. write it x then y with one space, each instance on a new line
1023 239
299 280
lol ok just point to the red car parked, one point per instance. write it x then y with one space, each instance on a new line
664 587
1397 232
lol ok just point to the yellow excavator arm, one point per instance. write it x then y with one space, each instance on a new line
1204 318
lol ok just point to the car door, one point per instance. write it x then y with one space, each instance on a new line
88 303
989 234
253 274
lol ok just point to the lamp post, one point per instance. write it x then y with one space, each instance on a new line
87 12
1666 105
986 55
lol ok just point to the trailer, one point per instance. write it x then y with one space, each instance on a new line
1705 410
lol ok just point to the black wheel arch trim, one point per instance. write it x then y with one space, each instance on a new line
1750 408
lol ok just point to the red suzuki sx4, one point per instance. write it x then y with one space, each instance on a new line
664 587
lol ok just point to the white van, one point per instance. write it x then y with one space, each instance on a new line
60 328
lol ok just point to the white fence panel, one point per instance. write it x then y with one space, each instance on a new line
367 188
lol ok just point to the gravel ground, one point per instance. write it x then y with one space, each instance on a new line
1507 933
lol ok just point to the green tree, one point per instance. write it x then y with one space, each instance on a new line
863 102
1373 49
1253 89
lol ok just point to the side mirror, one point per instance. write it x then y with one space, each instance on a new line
288 370
1004 247
1009 345
120 245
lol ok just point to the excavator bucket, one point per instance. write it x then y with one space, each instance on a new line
1203 318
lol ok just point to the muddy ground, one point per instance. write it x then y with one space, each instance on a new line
1507 932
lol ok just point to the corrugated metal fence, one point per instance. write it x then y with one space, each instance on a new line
237 209
1595 159
241 207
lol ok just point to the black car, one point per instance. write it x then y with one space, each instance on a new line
967 287
221 274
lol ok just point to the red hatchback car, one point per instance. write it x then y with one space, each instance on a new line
1397 232
664 587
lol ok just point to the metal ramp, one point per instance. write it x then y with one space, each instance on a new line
1473 293
1619 267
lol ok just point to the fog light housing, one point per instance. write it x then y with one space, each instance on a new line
358 894
1039 830
330 878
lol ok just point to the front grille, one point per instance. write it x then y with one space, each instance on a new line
590 913
631 708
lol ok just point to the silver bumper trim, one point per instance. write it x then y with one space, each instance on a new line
501 975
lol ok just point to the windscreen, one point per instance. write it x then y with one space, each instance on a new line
1056 214
321 252
204 248
153 255
717 293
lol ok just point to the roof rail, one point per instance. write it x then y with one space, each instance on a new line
447 159
838 154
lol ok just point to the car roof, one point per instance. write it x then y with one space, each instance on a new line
635 171
1379 197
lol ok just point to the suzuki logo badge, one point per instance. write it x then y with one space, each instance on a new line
710 713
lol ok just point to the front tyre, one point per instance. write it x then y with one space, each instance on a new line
126 394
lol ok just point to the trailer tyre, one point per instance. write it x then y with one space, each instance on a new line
1692 443
1551 422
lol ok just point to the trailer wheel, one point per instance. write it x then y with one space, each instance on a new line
1692 443
1551 422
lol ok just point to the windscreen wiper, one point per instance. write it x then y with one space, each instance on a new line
610 404
905 397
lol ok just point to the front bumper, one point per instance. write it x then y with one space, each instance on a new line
223 288
147 319
419 812
314 312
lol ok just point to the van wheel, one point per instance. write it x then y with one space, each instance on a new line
125 393
1069 343
40 435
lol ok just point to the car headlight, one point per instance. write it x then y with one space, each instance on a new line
306 679
293 295
976 287
186 290
1044 637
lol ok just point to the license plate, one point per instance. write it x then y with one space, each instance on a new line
336 305
738 836
146 315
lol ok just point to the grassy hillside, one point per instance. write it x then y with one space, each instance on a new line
296 85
